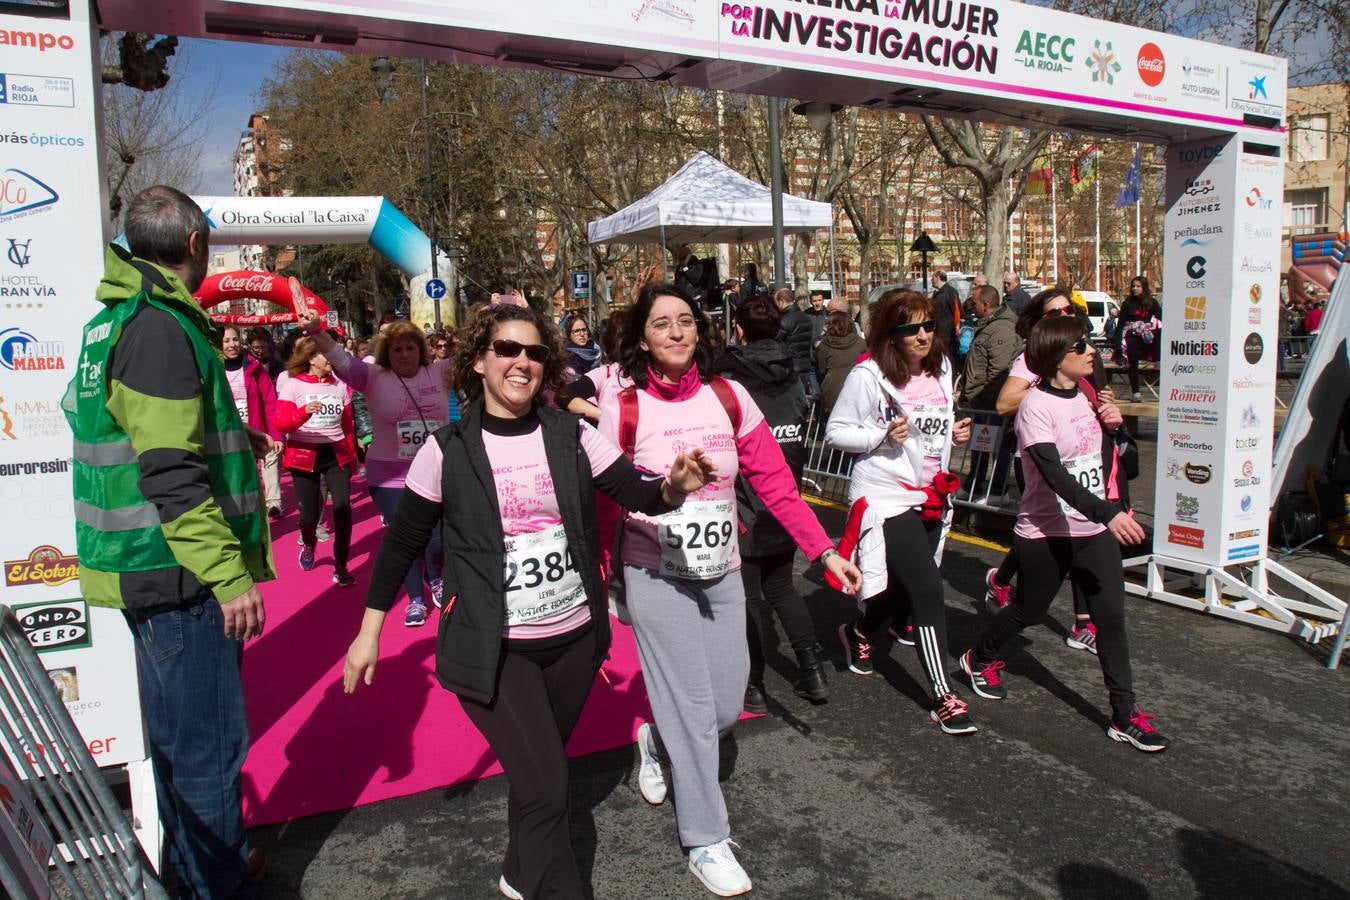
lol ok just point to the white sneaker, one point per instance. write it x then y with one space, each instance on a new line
651 781
715 865
507 891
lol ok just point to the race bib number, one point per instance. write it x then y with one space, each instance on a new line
241 403
412 435
933 421
329 412
697 539
539 577
1089 472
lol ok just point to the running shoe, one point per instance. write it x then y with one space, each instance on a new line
306 557
715 865
1138 732
857 652
505 889
416 614
996 596
438 593
342 578
1083 637
651 781
756 702
983 677
953 715
905 637
321 532
274 513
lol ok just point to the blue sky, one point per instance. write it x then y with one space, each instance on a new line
237 70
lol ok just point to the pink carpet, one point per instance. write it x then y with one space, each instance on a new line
316 749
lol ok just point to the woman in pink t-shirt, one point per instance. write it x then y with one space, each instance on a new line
896 412
405 392
681 570
1065 525
998 582
525 626
314 411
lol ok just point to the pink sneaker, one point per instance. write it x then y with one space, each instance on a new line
1083 637
996 596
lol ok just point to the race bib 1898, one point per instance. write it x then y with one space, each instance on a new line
1089 472
933 421
539 577
697 540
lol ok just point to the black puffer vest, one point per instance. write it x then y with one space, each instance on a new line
469 639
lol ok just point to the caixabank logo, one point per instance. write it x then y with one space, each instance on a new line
59 625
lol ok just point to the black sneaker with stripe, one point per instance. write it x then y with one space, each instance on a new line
983 677
953 715
857 652
1138 732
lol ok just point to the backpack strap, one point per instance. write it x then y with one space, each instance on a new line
722 388
628 421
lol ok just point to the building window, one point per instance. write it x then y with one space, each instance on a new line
1308 137
1305 208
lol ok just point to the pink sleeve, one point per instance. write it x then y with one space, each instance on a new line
424 475
762 462
600 450
1035 424
1019 370
350 369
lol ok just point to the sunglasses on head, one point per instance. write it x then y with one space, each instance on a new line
511 349
1061 311
913 328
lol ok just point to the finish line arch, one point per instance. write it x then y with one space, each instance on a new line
334 220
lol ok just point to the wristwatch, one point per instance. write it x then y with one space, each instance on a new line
825 557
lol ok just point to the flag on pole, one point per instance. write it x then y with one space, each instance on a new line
1129 191
1038 179
1084 168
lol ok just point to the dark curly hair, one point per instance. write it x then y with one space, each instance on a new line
612 334
1034 311
633 360
894 308
477 336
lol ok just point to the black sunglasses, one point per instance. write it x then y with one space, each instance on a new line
913 328
511 349
1081 347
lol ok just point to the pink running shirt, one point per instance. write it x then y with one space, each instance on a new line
324 426
930 414
1071 425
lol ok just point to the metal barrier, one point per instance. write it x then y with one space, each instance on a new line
99 856
987 483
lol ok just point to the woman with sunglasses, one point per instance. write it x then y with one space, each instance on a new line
525 628
405 394
681 570
897 413
998 581
1066 527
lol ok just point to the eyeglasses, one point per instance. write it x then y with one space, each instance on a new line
1080 347
661 326
511 349
582 330
913 328
1060 311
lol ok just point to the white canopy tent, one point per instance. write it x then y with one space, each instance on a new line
708 202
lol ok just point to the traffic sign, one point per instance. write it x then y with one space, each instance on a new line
581 285
435 288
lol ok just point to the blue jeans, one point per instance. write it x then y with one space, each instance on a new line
386 501
192 700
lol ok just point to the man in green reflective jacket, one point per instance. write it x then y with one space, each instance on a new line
170 527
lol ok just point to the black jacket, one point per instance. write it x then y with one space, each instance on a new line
795 332
766 371
946 315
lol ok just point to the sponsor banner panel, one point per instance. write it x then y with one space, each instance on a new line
51 255
1193 443
1250 400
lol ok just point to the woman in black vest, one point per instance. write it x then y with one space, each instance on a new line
760 362
525 625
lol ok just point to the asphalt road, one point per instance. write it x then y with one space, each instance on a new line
863 797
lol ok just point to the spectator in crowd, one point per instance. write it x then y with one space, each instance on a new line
1312 320
795 332
440 345
1013 294
1141 329
978 280
695 275
992 350
263 351
819 316
178 541
261 346
750 283
256 398
947 313
583 353
835 358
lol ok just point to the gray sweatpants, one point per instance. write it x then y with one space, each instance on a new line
691 641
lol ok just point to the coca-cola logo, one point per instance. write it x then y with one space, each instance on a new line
260 284
1151 64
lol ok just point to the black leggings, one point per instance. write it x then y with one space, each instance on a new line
309 495
1094 564
1134 348
540 693
914 592
1007 569
768 585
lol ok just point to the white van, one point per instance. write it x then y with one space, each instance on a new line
1099 308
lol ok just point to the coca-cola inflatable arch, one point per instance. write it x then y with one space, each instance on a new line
242 285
